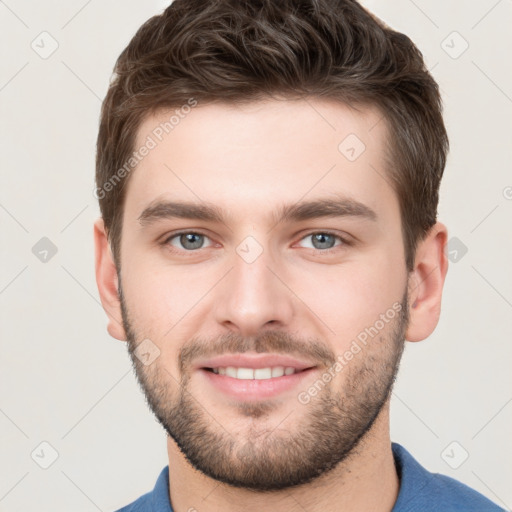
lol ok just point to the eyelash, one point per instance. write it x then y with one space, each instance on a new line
344 241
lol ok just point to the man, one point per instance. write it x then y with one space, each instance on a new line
268 178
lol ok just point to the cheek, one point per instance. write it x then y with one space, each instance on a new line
151 298
167 303
349 298
158 313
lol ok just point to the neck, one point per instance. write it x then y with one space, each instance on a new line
365 480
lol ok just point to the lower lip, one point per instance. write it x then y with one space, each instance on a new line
254 389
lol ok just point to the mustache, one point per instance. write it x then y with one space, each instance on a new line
278 342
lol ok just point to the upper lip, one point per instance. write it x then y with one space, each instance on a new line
267 360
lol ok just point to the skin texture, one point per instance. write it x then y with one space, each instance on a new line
296 297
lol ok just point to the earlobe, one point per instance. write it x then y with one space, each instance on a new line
107 281
426 283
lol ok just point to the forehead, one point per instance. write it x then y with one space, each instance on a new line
249 158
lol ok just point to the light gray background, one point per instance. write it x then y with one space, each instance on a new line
65 382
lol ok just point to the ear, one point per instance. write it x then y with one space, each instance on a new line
426 283
107 281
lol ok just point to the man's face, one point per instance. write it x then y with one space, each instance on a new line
219 301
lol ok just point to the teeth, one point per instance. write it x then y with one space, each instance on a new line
263 373
278 371
231 372
257 373
245 373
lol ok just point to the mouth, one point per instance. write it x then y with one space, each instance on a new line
255 384
258 377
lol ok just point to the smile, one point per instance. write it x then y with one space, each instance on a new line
246 384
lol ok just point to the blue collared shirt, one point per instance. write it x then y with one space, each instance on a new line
420 491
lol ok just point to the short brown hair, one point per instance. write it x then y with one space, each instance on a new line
236 51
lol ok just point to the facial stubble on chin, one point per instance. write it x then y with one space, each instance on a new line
327 430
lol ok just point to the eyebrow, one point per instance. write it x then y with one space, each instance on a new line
305 210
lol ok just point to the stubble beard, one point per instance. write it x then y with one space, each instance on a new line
326 431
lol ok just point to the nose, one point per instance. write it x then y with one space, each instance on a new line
254 296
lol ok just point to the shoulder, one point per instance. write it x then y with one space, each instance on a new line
157 499
421 490
142 504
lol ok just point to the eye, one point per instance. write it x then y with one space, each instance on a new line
323 240
187 240
191 241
